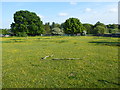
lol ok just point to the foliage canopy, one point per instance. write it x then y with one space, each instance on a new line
73 26
27 22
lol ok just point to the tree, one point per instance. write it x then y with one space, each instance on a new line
113 28
57 31
99 24
57 25
4 31
53 25
47 28
27 22
99 30
88 27
116 30
73 26
62 26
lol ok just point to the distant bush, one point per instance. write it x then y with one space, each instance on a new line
22 34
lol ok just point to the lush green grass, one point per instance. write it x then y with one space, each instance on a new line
23 67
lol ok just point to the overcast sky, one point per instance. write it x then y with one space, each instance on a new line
87 12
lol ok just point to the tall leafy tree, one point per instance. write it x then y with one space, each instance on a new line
73 26
47 28
99 28
88 27
113 28
57 25
27 22
100 24
53 25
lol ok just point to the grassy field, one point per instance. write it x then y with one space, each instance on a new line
24 68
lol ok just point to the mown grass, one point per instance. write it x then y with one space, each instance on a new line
24 68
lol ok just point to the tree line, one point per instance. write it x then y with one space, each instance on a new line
27 23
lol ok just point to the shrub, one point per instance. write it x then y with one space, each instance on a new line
22 34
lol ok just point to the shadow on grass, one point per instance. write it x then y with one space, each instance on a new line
16 39
10 41
106 43
61 41
13 41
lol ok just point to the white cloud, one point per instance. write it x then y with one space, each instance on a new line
73 3
63 14
113 10
41 16
88 10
